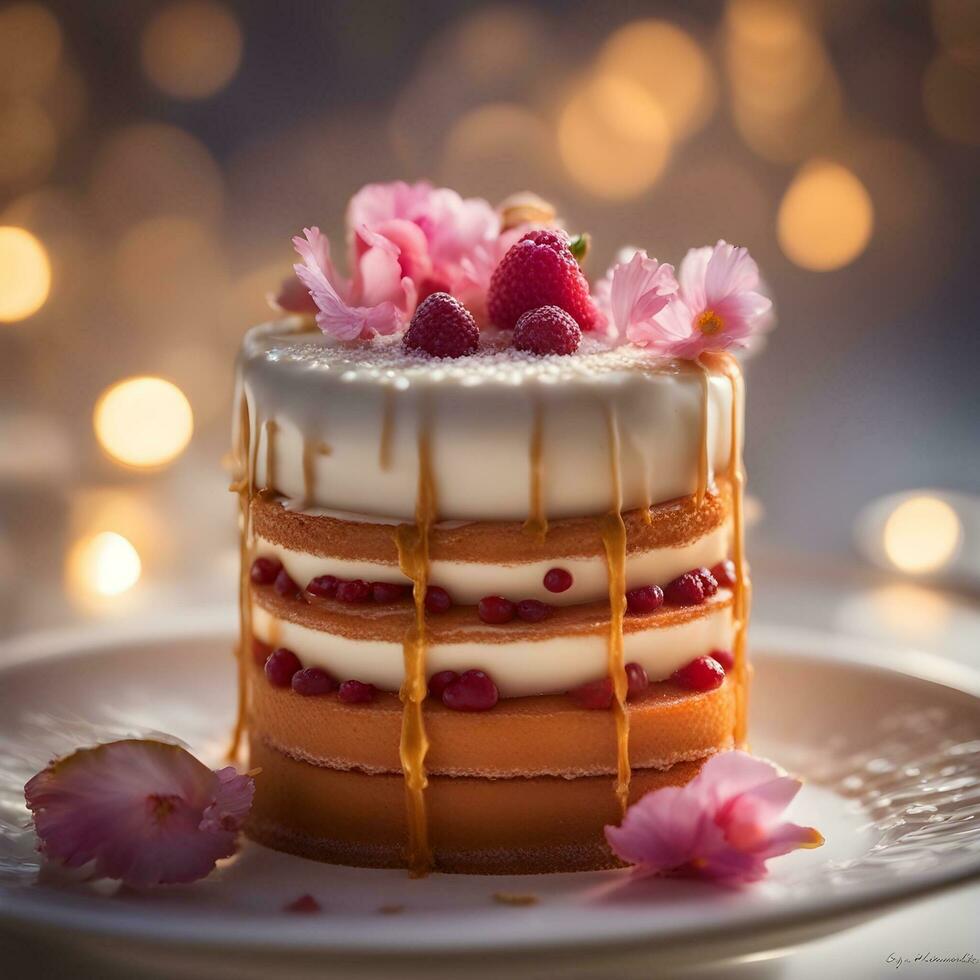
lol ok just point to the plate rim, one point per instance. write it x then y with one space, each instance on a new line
291 936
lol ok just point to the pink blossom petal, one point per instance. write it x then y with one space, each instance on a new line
638 290
724 824
292 297
729 269
144 812
692 274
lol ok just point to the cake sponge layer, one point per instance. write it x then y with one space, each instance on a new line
476 826
548 735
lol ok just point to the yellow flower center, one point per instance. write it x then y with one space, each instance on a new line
709 323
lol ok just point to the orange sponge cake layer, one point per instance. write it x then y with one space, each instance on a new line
503 826
547 735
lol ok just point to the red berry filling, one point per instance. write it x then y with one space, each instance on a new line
323 586
644 599
473 690
313 681
437 599
280 666
496 609
708 582
596 694
685 590
438 682
724 658
533 610
265 570
725 574
442 327
387 591
702 674
356 590
636 679
558 580
356 692
547 330
285 586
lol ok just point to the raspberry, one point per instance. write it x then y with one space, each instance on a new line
558 580
356 590
724 659
437 599
285 586
495 609
547 330
532 610
724 573
440 681
636 679
323 586
356 692
387 591
280 667
265 570
702 674
473 690
645 599
596 695
708 582
312 681
539 270
442 327
685 590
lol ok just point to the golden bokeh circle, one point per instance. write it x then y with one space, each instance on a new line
25 274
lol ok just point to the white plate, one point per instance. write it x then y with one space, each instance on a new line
888 742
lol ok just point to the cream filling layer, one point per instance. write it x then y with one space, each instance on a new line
519 669
468 582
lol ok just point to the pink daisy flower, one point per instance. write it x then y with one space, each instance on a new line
717 306
724 824
141 811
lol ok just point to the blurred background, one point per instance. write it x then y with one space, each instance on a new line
156 157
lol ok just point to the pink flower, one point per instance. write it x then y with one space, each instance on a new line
717 306
367 305
723 825
144 812
633 292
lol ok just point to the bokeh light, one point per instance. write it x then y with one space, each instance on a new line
825 218
192 49
497 42
28 139
669 64
25 274
922 534
613 137
143 421
149 169
102 565
30 47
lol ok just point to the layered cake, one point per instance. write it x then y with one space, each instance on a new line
493 585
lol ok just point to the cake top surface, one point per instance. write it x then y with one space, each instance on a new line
387 362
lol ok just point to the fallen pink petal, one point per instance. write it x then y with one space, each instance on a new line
725 824
304 905
143 812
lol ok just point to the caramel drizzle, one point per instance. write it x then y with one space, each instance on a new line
613 532
244 486
536 524
311 449
387 429
271 427
413 559
742 592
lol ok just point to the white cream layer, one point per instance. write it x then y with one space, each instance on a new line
468 582
348 420
519 669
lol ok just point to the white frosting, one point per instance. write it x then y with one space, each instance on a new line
480 411
518 669
468 582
